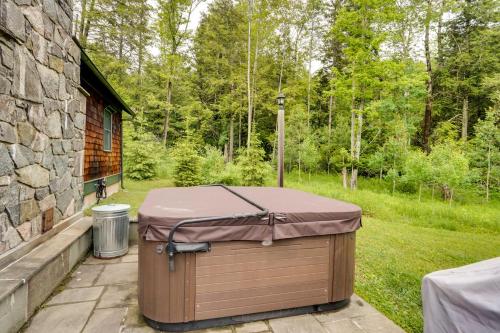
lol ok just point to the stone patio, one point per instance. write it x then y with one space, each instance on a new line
101 296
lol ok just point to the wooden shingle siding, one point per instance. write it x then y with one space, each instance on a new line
100 163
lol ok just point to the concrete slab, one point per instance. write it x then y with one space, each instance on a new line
85 276
130 258
13 309
357 307
77 295
377 323
122 273
78 249
61 318
105 320
134 249
46 280
91 260
255 327
227 329
342 326
134 317
118 296
141 329
298 324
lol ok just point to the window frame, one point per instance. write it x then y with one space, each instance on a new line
106 131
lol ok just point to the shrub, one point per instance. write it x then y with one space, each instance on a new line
450 168
251 163
212 166
141 154
187 169
231 175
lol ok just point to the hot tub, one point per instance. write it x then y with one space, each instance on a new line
213 255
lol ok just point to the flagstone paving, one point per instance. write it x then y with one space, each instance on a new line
101 297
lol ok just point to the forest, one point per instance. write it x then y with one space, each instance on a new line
404 91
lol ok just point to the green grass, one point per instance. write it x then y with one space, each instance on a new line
134 193
401 240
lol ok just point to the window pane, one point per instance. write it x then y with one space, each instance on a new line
107 129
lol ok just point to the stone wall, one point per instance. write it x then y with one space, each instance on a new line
42 118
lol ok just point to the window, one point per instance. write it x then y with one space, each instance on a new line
108 120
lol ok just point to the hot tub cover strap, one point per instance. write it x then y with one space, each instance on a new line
242 213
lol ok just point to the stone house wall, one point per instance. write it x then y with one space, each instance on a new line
42 118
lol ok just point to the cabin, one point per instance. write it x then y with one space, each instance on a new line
60 126
60 148
103 153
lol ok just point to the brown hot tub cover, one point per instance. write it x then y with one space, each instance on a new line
292 214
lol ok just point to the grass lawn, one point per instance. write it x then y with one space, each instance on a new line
401 240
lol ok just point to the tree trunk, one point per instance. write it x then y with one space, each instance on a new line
344 177
439 35
309 74
249 86
231 140
354 176
239 130
465 117
426 130
120 39
254 72
488 174
82 19
353 119
167 112
86 28
330 107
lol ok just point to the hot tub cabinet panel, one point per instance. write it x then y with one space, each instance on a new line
243 277
211 256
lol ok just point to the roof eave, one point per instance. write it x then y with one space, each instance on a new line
86 60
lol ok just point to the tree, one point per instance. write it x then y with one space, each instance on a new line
310 154
140 154
426 131
485 152
356 27
417 170
468 55
251 164
172 27
450 168
187 169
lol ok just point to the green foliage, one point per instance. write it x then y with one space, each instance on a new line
370 65
484 152
340 159
417 167
212 166
450 167
142 153
310 154
254 170
231 175
187 170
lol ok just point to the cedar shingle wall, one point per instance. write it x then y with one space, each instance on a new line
100 163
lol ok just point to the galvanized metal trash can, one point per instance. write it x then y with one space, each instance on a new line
110 229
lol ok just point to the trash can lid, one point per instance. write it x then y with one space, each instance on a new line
111 208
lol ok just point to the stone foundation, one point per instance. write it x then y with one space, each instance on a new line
42 118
